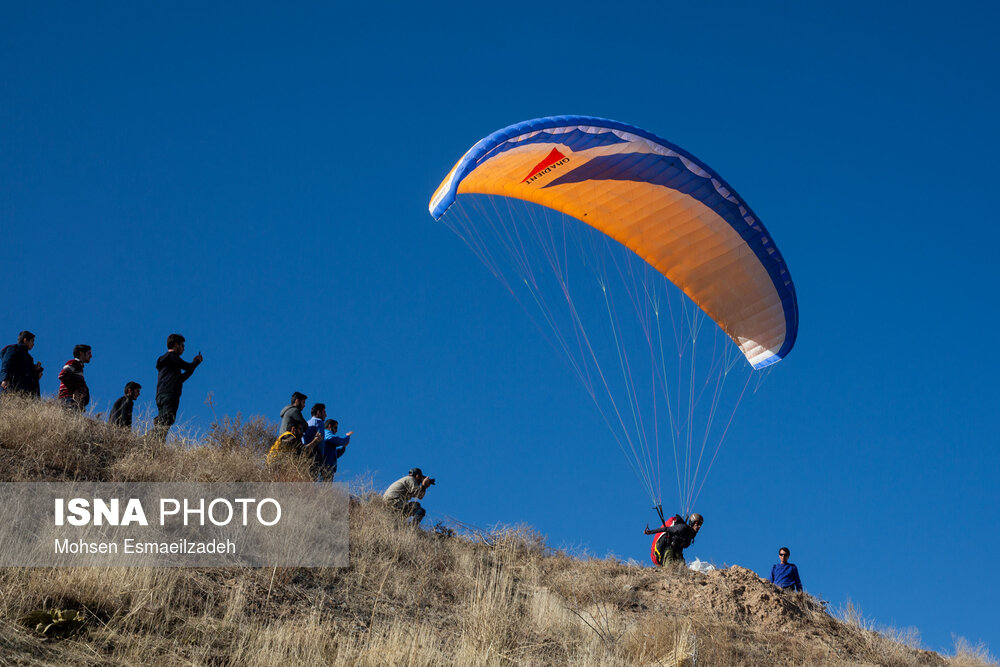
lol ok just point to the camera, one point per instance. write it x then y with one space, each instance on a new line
432 481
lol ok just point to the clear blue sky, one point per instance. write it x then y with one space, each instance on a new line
257 179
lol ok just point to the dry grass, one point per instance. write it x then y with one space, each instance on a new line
970 655
409 597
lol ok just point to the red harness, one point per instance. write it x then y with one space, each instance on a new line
655 555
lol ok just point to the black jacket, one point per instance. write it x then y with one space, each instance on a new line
676 538
121 412
174 371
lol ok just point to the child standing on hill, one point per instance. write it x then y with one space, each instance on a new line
121 411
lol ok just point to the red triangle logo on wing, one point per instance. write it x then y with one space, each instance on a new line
550 160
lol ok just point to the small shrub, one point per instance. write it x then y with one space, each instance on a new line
55 623
441 530
254 436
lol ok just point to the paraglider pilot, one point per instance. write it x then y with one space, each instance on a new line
673 537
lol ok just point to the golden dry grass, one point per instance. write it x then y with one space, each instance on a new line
409 597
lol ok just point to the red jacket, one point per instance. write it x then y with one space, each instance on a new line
71 383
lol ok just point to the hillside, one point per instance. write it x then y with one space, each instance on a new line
413 597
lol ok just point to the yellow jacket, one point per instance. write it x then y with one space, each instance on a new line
287 443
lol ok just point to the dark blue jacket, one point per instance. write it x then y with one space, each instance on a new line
17 369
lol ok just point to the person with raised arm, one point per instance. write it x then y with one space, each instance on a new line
173 373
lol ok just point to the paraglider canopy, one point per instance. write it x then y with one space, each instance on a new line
653 197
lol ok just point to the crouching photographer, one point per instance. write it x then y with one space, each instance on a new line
402 492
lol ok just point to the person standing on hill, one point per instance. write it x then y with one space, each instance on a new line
673 537
785 575
121 411
314 425
18 371
73 390
292 413
334 448
174 372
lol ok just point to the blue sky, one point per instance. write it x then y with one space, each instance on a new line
257 179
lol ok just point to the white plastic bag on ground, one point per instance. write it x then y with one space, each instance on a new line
701 566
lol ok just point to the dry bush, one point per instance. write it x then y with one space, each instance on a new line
152 596
399 642
45 441
595 582
520 539
254 436
882 645
306 640
667 640
384 546
969 655
493 613
157 462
